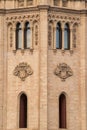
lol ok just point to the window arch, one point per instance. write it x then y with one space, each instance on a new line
66 37
18 36
62 111
64 3
23 111
20 3
58 36
29 2
56 2
27 35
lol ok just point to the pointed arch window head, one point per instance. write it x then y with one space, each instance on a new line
27 33
58 36
18 36
66 37
62 111
23 111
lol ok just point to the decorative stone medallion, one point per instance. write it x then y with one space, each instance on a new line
63 71
23 70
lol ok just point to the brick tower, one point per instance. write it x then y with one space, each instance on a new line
43 64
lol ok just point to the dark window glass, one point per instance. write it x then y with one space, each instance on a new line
27 35
18 36
23 112
62 111
58 36
66 37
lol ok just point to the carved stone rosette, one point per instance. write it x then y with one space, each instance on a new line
23 70
63 71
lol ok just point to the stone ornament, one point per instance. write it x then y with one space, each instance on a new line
36 34
29 2
11 37
50 34
62 18
28 17
21 3
23 70
63 71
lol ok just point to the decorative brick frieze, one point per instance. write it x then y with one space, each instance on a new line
33 20
54 16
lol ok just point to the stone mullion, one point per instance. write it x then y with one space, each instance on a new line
54 36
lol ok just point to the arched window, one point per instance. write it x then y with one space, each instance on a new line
18 36
58 36
56 2
62 111
64 3
27 35
23 112
20 3
66 37
29 2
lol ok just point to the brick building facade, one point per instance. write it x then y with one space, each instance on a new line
43 61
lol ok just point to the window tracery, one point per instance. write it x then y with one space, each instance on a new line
64 20
33 26
29 2
20 3
64 3
56 2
